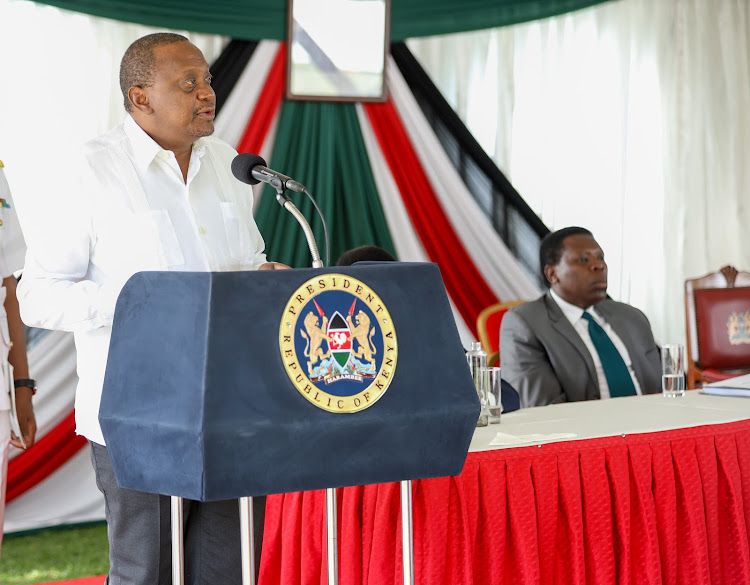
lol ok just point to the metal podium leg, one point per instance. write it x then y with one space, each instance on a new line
247 541
407 533
332 549
178 543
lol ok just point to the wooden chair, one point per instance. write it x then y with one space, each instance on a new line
717 314
488 328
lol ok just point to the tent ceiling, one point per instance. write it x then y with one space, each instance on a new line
266 19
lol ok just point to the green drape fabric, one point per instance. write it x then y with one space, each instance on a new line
422 18
266 19
318 144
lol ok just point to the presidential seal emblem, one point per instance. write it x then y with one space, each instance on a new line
338 343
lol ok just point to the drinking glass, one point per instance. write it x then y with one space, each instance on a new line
494 402
673 370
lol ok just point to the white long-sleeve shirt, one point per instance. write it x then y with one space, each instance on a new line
132 211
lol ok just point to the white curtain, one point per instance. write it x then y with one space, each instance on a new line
58 88
631 119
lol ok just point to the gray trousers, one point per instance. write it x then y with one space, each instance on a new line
139 533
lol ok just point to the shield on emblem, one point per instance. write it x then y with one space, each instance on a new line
340 336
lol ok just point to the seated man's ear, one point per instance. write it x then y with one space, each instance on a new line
551 274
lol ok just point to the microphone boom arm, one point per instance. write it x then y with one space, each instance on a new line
287 204
251 169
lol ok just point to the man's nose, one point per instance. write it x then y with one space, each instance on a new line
598 265
206 92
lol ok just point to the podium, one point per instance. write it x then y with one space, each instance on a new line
240 384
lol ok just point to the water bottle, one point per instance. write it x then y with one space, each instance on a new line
477 359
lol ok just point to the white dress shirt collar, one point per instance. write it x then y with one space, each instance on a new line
146 149
572 312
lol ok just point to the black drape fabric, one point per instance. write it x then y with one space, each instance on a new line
228 67
323 141
519 227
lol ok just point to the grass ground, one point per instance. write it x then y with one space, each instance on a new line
54 555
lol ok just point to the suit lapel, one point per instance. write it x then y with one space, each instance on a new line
561 324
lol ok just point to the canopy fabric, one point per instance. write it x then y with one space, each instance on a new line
429 213
328 137
386 164
266 19
629 118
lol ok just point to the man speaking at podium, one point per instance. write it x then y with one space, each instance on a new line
156 193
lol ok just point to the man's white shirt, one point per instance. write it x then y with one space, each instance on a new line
133 211
574 314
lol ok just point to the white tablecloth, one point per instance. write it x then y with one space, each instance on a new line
615 416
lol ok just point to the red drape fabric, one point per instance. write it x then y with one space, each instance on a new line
267 106
669 508
48 454
434 228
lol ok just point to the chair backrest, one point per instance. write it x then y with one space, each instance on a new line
717 313
488 324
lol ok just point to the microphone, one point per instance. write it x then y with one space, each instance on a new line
252 169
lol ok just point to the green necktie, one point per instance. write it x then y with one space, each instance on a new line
618 377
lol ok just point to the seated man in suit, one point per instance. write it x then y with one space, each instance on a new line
574 342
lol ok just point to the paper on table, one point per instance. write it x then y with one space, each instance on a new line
506 439
738 386
15 426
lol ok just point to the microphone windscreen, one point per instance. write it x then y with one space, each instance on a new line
242 167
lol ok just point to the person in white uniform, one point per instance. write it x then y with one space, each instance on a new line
12 344
156 193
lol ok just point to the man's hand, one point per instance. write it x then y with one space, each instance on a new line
17 358
26 418
274 266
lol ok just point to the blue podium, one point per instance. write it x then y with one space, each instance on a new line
241 384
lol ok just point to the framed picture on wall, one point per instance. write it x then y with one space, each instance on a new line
337 49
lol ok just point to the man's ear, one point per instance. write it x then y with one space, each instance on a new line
549 272
138 97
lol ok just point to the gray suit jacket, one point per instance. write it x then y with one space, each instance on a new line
544 358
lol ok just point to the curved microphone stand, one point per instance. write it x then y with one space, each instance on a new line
287 204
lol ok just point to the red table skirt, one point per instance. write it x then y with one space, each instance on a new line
658 508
